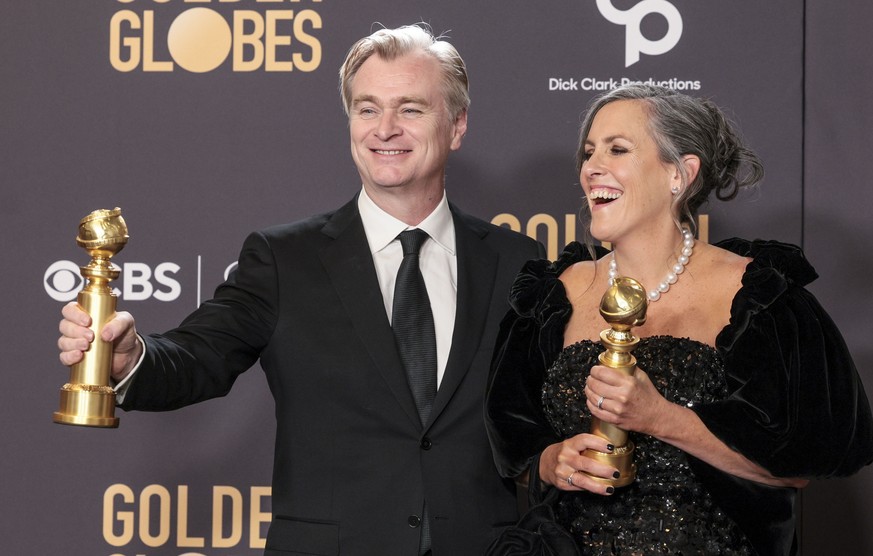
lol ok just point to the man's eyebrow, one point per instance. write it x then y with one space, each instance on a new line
397 101
412 100
363 98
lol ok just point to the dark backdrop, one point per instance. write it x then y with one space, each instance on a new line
196 159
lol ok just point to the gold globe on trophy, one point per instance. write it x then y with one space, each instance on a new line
88 399
623 306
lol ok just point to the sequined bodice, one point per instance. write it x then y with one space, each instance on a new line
666 510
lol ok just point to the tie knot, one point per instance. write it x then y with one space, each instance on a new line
411 241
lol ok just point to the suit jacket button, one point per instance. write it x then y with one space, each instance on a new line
426 443
414 521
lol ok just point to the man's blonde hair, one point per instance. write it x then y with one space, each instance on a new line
390 44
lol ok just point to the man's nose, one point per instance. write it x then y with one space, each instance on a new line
387 126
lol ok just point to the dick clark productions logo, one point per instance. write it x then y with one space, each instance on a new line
635 42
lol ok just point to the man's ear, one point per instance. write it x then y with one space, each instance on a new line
459 130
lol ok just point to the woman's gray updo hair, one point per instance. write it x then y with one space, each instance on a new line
682 125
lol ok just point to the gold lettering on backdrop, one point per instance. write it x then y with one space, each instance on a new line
149 493
510 221
146 517
274 40
550 240
542 221
219 494
703 228
219 1
545 229
120 46
200 39
311 17
248 41
148 46
258 518
182 522
124 518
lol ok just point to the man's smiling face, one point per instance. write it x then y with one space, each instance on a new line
401 131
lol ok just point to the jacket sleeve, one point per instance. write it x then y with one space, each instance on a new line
223 338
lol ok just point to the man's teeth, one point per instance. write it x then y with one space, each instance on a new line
390 152
604 194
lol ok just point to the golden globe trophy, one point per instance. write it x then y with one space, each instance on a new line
623 306
88 399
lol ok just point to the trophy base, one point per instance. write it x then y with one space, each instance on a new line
622 459
86 405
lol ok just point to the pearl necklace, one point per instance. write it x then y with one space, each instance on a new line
672 276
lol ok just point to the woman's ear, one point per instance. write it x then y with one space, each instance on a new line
691 162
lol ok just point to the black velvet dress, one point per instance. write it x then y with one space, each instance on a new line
779 387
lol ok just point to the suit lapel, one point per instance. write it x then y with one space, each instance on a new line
349 265
477 265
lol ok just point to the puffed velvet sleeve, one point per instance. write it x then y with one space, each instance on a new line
531 336
796 404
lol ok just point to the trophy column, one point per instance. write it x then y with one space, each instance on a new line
88 399
623 306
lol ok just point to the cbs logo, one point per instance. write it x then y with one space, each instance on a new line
62 281
635 42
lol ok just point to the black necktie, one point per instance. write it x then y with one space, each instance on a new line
413 326
412 321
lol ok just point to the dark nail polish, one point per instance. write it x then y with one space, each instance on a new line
609 490
610 447
616 475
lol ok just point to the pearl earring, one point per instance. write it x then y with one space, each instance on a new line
674 190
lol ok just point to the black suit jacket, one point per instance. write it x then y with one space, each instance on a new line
353 463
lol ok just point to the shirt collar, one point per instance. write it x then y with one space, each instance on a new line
382 228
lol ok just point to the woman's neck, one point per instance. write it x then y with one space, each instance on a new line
648 257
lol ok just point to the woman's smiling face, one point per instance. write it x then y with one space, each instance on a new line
626 183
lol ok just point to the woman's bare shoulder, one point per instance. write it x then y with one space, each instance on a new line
721 265
578 278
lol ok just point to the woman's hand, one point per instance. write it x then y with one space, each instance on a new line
634 404
563 465
630 402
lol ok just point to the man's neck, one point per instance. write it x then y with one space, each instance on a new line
406 205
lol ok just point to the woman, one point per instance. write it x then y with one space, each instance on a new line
736 366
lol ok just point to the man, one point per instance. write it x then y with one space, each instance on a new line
361 468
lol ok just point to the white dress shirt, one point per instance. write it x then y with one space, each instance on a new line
438 262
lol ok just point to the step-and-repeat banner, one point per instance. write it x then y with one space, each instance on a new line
204 120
